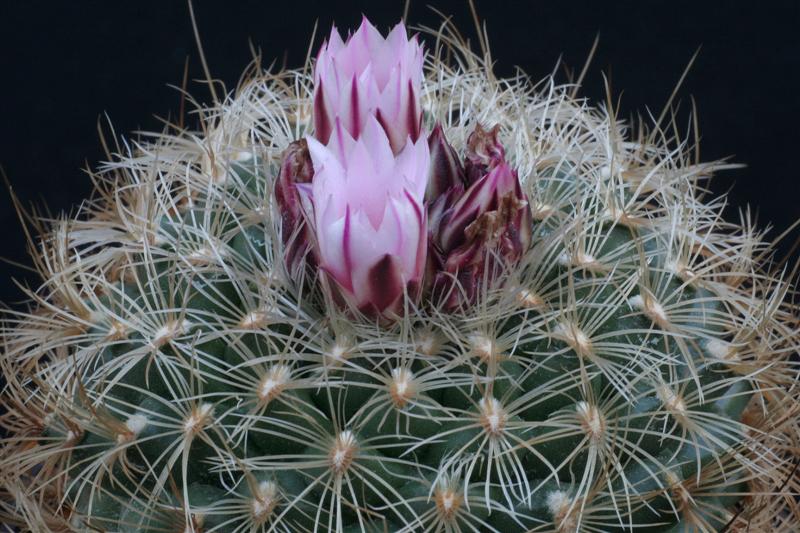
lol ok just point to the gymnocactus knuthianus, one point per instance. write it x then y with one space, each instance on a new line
392 292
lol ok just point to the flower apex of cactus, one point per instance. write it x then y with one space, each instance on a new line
369 75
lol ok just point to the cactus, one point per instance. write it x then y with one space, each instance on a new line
186 366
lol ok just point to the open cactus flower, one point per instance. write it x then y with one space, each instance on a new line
427 300
368 214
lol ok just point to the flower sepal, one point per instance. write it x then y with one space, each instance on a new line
296 171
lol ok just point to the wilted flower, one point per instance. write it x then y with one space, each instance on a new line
296 168
479 230
369 215
484 152
369 76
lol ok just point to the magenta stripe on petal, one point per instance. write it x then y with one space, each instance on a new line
414 117
422 236
386 127
348 260
322 122
384 283
355 115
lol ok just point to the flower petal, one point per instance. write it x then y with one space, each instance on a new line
385 284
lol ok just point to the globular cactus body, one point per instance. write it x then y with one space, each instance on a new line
182 370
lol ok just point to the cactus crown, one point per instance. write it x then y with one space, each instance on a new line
632 369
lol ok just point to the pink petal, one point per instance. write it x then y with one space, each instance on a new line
412 166
332 240
377 144
365 192
334 43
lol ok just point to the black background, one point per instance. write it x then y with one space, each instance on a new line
65 64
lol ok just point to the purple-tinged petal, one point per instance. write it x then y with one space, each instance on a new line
347 237
378 146
477 199
446 171
413 114
420 234
295 174
355 115
333 252
385 284
322 122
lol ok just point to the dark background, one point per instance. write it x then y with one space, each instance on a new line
65 64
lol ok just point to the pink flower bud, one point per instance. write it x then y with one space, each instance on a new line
369 217
295 169
369 76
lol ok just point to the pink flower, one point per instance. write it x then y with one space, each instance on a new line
367 205
369 76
